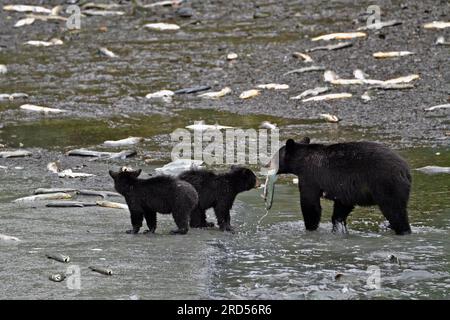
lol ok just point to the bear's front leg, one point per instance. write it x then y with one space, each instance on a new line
136 216
310 205
150 218
182 221
222 212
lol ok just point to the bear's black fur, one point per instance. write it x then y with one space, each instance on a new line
353 173
163 194
218 191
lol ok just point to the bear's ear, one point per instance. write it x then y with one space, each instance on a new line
290 145
305 140
136 173
113 174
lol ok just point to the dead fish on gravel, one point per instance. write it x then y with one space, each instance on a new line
404 79
310 92
434 169
4 237
359 74
201 126
123 142
52 42
392 86
192 90
327 97
53 190
105 271
57 277
440 41
380 25
46 17
107 53
68 173
441 106
306 69
101 154
13 96
24 22
104 13
365 96
3 69
249 94
215 94
103 194
162 26
30 107
437 25
42 197
113 205
391 54
274 86
179 165
306 58
15 154
165 95
232 56
329 117
26 8
340 36
53 167
268 125
339 45
69 204
58 257
101 6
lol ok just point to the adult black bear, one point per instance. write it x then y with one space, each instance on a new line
218 191
163 194
353 173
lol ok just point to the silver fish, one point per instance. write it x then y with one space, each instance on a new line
108 53
15 154
46 196
380 24
104 13
123 142
310 92
339 45
114 205
305 69
440 106
4 237
57 277
103 194
3 69
102 270
53 190
69 204
434 169
58 257
392 86
100 154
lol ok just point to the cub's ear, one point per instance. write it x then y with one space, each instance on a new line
290 145
113 174
305 140
136 173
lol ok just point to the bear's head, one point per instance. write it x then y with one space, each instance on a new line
285 159
244 179
124 178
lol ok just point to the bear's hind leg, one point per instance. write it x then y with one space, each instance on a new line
195 221
311 209
397 216
150 218
182 221
339 218
222 212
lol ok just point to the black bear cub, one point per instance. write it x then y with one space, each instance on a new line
353 173
163 194
218 191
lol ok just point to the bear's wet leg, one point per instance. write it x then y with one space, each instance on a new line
223 218
182 221
339 218
150 218
397 216
311 209
137 216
